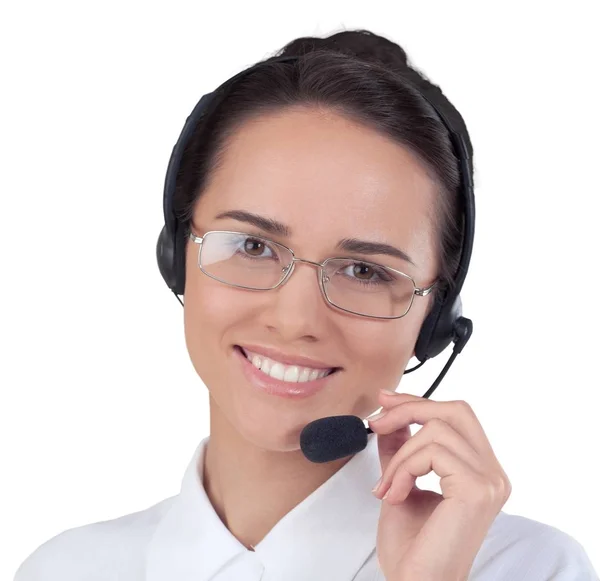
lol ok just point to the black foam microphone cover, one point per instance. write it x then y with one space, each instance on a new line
333 437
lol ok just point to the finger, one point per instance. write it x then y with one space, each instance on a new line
389 444
385 395
440 432
403 411
458 480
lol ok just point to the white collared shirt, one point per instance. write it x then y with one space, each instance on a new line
329 536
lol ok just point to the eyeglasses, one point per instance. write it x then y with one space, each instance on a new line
251 262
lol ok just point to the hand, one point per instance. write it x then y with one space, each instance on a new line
423 535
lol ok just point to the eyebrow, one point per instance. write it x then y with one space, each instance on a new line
348 244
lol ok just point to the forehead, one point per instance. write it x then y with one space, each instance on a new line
326 178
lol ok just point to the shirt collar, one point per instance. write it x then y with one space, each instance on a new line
329 535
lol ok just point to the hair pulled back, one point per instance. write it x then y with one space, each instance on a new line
366 78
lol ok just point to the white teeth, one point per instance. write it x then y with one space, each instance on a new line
277 371
292 373
266 366
289 373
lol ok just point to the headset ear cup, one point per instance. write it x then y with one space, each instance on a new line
165 256
437 330
180 252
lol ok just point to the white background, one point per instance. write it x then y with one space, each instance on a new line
101 408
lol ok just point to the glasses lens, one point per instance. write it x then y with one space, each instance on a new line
367 288
243 260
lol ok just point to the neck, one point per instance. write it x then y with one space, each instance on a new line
253 488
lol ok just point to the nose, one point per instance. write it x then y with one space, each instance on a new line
297 309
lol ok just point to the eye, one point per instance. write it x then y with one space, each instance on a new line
368 273
362 271
256 247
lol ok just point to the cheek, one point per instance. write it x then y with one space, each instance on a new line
211 308
382 349
382 340
209 304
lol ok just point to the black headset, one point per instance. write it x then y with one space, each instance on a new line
443 325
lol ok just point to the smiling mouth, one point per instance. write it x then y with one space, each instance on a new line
284 372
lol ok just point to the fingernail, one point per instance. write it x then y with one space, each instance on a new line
386 495
389 392
377 485
378 416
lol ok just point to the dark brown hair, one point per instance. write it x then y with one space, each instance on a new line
362 76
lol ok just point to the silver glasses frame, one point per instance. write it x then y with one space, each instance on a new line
321 276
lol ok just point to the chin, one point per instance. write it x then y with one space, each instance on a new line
274 436
271 424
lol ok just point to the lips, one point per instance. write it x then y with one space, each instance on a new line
275 386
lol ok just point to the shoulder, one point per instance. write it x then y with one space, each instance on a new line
521 548
100 551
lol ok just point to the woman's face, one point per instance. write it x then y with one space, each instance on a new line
327 179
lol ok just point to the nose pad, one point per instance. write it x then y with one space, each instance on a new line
285 271
290 268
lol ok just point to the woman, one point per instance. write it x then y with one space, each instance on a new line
334 155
